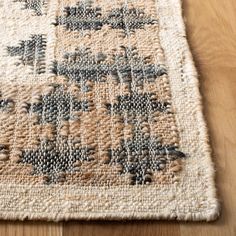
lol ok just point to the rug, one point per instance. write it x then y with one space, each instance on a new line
100 113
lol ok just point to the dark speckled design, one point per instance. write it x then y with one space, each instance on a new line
141 156
84 16
6 105
57 106
35 5
127 66
138 104
110 111
31 52
53 159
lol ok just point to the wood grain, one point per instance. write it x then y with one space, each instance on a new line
211 28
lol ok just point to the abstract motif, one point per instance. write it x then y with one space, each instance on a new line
57 106
54 159
81 17
127 66
55 154
137 104
6 105
31 52
35 5
82 66
128 19
141 156
85 17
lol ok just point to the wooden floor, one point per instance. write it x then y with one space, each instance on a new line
211 27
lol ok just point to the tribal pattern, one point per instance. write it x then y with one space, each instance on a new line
85 17
98 116
128 67
138 104
58 105
143 155
31 52
54 159
6 104
35 5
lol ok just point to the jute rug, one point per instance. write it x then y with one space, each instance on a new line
100 113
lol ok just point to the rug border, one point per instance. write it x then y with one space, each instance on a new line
191 73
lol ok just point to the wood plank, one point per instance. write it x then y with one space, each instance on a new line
211 29
129 228
30 228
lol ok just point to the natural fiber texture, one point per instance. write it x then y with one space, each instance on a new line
100 113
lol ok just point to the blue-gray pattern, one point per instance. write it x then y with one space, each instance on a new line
142 155
35 5
84 16
54 158
6 105
138 104
57 106
31 52
127 66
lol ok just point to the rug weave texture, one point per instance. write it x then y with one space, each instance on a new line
100 113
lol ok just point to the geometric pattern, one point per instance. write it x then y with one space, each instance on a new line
55 158
81 75
137 104
31 52
35 5
149 156
100 114
6 104
84 17
82 66
57 105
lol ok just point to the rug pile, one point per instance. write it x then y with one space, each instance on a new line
100 113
